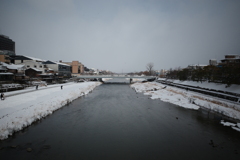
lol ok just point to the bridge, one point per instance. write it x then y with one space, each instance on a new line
112 76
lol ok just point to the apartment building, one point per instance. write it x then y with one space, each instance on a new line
77 68
7 48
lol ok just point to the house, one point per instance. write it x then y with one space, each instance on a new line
63 70
7 76
48 77
37 65
13 71
233 58
33 72
4 75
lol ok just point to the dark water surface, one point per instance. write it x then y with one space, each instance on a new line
114 122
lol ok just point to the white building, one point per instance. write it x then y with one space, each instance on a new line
213 62
34 65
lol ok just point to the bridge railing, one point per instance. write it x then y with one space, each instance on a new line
114 76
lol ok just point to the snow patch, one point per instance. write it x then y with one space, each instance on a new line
190 100
232 125
19 111
227 123
237 129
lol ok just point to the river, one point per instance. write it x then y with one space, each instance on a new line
115 122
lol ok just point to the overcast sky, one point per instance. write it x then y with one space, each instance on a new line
123 36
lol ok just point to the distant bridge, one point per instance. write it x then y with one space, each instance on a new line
112 76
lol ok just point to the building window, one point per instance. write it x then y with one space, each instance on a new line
40 66
35 66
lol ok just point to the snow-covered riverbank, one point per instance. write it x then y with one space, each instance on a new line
216 86
19 111
188 99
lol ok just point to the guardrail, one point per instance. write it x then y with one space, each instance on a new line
235 97
114 76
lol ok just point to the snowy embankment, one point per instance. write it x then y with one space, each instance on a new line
188 99
19 111
216 86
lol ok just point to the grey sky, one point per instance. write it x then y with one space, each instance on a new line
123 35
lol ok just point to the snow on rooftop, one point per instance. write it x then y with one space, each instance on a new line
36 69
3 68
36 59
7 73
12 66
62 63
46 74
15 67
59 63
3 64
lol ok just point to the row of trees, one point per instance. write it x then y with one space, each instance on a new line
227 74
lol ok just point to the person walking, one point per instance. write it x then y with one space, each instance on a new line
2 96
61 87
36 87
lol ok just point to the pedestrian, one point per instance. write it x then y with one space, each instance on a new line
36 87
61 87
2 96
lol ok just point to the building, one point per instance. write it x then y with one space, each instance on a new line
18 71
7 45
61 69
4 75
163 73
33 72
35 65
7 48
213 62
4 58
31 62
77 68
233 58
18 59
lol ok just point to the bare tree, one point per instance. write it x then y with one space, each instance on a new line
149 68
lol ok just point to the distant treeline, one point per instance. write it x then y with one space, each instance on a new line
226 74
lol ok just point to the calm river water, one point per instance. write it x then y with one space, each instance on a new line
114 122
